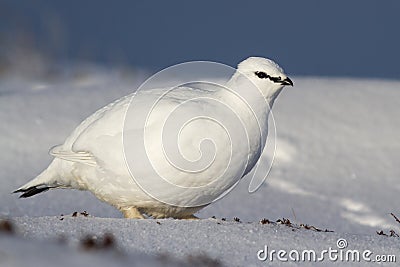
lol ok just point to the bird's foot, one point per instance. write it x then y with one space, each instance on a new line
132 213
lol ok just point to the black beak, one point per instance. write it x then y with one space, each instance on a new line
287 81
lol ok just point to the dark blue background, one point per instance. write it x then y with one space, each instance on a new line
335 38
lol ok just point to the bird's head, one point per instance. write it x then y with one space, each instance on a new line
265 74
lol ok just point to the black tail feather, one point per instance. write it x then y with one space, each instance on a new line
32 191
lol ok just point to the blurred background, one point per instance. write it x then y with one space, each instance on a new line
308 38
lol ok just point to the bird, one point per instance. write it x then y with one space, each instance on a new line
150 154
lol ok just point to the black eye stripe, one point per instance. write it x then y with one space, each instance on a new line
263 75
275 79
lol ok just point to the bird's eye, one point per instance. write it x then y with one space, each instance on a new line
261 75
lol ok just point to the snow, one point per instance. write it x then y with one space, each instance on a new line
336 168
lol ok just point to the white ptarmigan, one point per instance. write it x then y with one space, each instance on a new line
92 158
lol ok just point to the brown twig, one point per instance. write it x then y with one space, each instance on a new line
394 216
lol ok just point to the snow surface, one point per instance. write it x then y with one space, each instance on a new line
336 168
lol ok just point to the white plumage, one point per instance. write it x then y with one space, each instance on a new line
234 119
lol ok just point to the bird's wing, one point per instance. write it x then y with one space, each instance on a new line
98 139
79 156
98 115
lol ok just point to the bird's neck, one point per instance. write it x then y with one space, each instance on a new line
259 99
272 97
253 108
248 103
